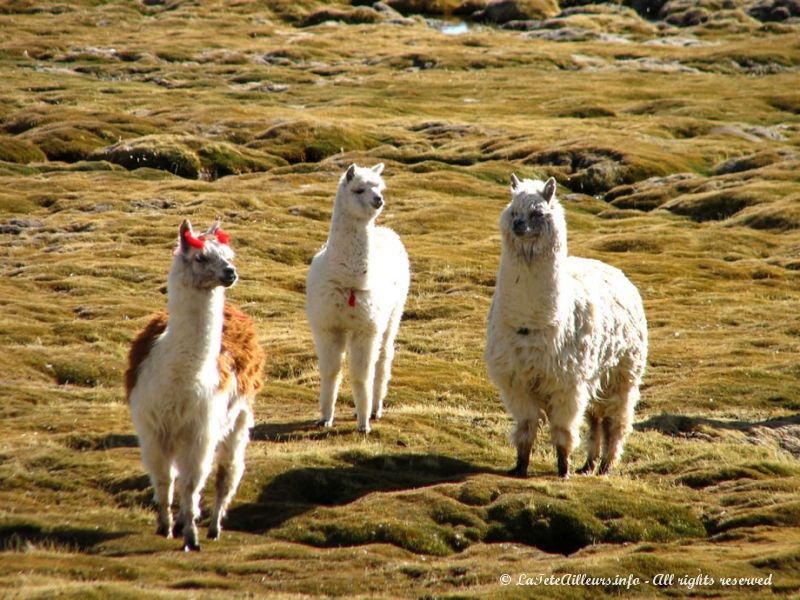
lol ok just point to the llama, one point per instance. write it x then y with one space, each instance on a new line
355 293
191 380
566 336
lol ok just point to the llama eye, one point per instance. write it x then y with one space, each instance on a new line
201 258
359 191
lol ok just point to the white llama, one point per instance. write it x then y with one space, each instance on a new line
566 335
192 377
355 293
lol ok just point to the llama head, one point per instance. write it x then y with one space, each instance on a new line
360 193
204 261
533 223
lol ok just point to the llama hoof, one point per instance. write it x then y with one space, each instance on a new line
213 534
324 423
177 529
164 531
376 416
563 462
363 429
586 469
191 547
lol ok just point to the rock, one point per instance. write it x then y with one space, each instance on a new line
503 11
688 18
527 25
775 10
390 14
752 161
467 8
17 226
652 192
649 9
751 133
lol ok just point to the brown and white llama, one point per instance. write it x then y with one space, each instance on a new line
192 376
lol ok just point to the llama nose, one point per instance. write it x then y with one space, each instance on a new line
377 201
519 227
229 276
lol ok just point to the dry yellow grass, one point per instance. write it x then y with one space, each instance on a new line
677 162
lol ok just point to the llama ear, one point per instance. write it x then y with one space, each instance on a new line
186 227
187 239
350 173
216 231
549 191
514 181
214 227
378 169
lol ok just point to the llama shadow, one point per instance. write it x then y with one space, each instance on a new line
689 426
21 536
102 442
304 430
287 432
300 490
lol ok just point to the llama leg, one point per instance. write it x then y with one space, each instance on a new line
230 467
527 412
383 368
565 412
330 350
617 425
194 465
593 442
524 437
162 477
364 350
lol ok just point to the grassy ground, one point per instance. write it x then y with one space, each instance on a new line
676 148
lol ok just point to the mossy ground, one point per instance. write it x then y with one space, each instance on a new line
677 151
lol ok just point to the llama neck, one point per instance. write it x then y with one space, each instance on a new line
195 320
348 249
534 293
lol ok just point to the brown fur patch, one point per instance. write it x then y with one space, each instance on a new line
240 352
140 349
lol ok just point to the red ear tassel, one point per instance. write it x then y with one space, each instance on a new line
193 241
223 237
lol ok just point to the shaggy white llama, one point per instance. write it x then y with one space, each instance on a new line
192 377
355 293
566 335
